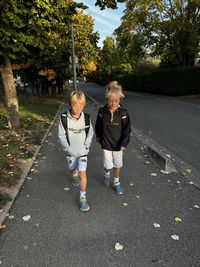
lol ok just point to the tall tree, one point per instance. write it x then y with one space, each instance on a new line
86 49
108 62
25 25
169 28
85 39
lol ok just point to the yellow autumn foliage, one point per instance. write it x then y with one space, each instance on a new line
49 73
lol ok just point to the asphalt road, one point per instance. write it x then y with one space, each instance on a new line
171 121
57 234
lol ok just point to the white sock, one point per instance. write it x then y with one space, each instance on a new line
107 174
116 180
82 194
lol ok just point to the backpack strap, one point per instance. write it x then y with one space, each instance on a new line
87 123
64 123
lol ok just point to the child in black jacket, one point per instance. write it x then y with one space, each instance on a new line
113 130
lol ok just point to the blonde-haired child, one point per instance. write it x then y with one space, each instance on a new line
75 132
113 128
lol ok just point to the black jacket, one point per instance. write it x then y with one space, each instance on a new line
113 132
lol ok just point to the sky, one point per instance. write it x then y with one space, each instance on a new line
105 21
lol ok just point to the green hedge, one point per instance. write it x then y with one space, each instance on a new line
174 82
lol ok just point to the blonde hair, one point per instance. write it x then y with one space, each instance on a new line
114 88
77 97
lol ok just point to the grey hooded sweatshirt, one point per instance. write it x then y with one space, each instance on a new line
78 142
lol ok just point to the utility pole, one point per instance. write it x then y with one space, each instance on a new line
73 59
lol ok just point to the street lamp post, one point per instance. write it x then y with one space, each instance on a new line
73 59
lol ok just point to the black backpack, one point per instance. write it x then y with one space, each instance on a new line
64 123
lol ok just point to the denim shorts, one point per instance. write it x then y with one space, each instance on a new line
79 163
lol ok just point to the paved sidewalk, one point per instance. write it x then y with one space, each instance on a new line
58 234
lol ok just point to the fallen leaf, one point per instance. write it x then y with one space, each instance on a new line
66 189
165 172
26 218
118 246
175 237
177 219
156 225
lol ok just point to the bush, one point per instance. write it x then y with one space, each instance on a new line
174 82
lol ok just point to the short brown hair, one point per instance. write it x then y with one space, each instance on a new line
77 96
114 88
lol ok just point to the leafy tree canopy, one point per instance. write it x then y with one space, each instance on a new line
108 3
169 29
28 24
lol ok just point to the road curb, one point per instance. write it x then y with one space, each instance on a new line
16 190
168 160
161 154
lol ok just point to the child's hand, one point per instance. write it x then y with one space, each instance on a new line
123 148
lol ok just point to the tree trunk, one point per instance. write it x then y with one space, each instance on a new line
10 95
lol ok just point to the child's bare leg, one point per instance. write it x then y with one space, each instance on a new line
75 178
83 181
116 172
74 172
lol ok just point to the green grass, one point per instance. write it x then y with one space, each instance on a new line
36 116
41 112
